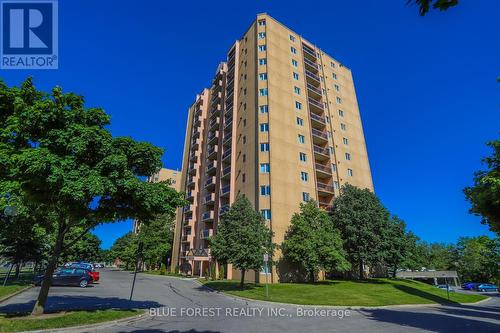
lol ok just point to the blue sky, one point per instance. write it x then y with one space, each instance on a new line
426 86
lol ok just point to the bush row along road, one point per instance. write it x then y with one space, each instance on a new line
177 299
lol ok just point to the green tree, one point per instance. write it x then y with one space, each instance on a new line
312 243
242 238
479 259
484 195
441 256
157 238
363 223
426 5
125 249
87 248
65 160
401 246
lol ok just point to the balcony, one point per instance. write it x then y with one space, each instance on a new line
319 137
192 170
226 172
209 199
312 78
215 110
223 210
193 157
214 123
190 182
206 233
323 171
185 238
226 155
321 153
196 133
227 141
211 168
213 137
224 192
314 92
195 143
318 122
188 210
197 121
311 65
207 216
189 196
325 204
212 153
309 53
216 96
210 183
227 127
316 106
324 189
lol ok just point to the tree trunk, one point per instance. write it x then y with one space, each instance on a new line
18 271
39 307
242 282
311 276
361 272
394 271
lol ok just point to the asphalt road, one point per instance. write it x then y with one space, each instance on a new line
182 305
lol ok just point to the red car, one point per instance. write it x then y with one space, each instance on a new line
90 268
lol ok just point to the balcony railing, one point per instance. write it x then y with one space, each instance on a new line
308 51
323 168
224 209
210 181
325 187
226 155
312 76
209 199
321 150
206 233
225 190
314 89
226 171
317 104
318 118
320 134
213 122
311 63
207 215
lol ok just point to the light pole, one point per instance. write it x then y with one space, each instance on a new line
9 212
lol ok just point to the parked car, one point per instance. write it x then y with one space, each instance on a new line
443 286
485 287
469 285
89 267
64 276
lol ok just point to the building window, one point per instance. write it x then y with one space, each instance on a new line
244 139
334 167
244 122
342 127
262 22
295 63
264 127
262 61
332 64
300 121
265 190
264 147
295 76
302 139
304 176
266 214
296 90
334 76
263 76
263 109
245 91
293 50
347 156
329 134
349 172
263 92
262 47
243 178
336 185
262 35
302 157
339 100
292 38
346 141
265 167
341 113
298 105
327 119
330 149
244 158
305 196
336 86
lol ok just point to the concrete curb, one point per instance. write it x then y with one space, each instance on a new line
347 307
84 328
3 299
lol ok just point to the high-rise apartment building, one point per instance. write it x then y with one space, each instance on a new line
280 125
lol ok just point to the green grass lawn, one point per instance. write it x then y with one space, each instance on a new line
157 272
372 292
11 288
28 323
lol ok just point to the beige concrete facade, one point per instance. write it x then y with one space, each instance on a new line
280 124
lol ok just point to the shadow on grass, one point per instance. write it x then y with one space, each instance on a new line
75 303
423 294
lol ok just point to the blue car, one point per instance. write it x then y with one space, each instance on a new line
470 285
485 287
